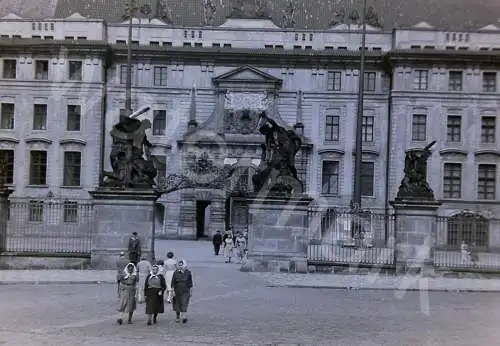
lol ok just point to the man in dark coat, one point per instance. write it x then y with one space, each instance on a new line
182 284
217 241
134 249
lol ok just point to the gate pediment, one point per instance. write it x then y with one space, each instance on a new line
247 75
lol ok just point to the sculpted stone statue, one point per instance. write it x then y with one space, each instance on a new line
130 145
277 172
414 185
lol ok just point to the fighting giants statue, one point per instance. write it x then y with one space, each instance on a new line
130 168
414 185
276 172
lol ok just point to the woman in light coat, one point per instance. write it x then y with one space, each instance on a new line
128 290
170 266
144 268
229 248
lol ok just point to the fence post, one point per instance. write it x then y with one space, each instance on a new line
4 216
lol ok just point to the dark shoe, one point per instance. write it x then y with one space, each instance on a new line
149 322
155 320
129 322
184 320
120 321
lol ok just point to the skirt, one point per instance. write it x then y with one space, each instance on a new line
154 302
128 302
180 302
168 279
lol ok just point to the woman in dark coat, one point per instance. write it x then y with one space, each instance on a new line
182 284
154 287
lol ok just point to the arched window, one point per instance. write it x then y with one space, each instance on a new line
159 123
469 227
241 178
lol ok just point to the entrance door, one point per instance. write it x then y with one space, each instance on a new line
201 217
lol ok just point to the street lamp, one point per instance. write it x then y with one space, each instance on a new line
356 202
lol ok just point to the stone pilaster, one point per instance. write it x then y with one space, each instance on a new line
4 216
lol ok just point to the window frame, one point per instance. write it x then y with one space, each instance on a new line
416 127
451 180
44 74
419 83
8 156
13 69
9 123
71 76
453 129
488 131
72 177
367 176
326 179
455 84
332 131
368 129
159 126
486 181
37 168
160 78
40 113
73 117
334 81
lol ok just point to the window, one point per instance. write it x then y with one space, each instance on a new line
367 178
40 117
154 43
488 129
369 81
48 37
455 81
159 123
123 74
452 180
70 212
38 167
330 178
160 75
42 70
7 159
367 128
468 227
454 128
486 182
81 38
227 45
421 81
69 38
75 70
9 69
489 82
7 116
332 128
72 168
334 80
74 115
419 127
160 162
36 211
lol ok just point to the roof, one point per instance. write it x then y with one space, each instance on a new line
453 15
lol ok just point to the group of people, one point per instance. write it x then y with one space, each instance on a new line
468 255
234 245
154 284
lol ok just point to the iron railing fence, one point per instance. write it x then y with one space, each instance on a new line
49 226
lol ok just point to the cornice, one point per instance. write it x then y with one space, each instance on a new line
76 141
453 151
487 152
443 56
9 140
28 45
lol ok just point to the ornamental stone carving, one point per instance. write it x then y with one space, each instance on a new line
247 100
288 20
241 121
209 11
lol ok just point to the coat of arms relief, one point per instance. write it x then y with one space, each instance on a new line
242 111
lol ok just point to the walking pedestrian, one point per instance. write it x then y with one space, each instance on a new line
121 262
143 268
128 291
134 248
229 248
217 241
241 245
182 284
154 288
170 266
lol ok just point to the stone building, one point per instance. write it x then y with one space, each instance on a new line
208 68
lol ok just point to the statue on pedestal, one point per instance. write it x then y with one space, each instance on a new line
130 156
277 171
414 185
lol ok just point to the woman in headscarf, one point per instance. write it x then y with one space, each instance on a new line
170 266
154 287
229 248
182 284
128 289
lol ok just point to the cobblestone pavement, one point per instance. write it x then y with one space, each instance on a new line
234 308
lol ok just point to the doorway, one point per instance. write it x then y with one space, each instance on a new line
202 216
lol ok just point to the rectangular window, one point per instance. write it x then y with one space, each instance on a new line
452 180
7 116
454 128
7 160
488 129
72 168
332 128
74 115
9 69
421 81
159 123
75 70
370 81
486 182
38 167
489 82
419 127
334 80
160 76
330 178
35 211
70 212
367 178
160 162
123 74
367 129
455 81
40 117
41 69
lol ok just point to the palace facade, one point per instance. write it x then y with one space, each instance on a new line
208 68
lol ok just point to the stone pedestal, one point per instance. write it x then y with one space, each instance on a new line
4 216
278 233
416 228
118 213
